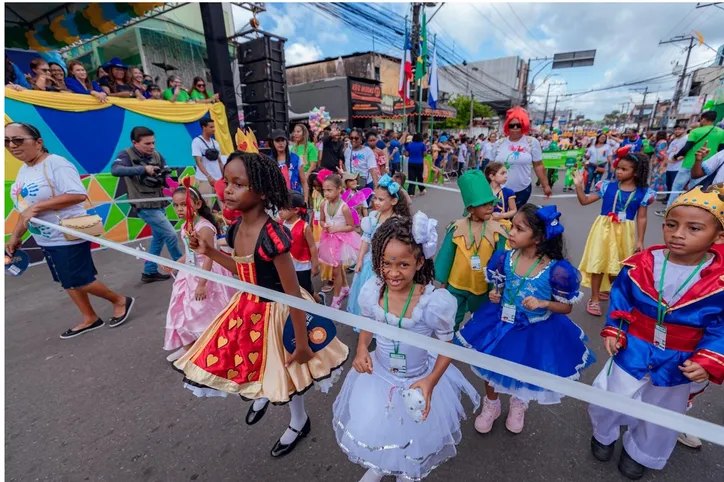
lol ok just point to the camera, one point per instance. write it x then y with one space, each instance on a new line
158 179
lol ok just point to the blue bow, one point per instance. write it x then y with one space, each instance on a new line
392 186
549 215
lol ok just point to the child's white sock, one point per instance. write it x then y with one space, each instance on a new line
260 403
299 418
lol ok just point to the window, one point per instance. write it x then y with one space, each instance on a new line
377 73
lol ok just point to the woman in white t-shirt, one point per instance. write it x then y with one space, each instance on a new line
519 152
359 159
598 156
48 187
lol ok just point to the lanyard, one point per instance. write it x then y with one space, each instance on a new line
525 277
660 311
404 310
618 199
472 239
336 205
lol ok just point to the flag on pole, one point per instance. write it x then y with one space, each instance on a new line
403 87
421 67
432 82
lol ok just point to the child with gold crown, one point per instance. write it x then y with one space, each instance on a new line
664 330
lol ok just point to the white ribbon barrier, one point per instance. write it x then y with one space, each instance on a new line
144 200
555 196
619 403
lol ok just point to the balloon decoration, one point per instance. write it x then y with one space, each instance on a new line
319 118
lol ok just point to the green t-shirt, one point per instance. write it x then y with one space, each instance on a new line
196 95
312 154
183 96
712 135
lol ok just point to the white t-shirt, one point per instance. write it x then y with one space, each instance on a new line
520 156
676 274
714 164
360 162
463 154
31 187
488 150
598 155
198 148
675 146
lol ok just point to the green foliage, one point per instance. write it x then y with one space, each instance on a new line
462 104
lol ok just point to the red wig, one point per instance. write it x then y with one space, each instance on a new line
521 115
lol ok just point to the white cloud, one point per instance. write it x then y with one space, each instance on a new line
284 24
302 52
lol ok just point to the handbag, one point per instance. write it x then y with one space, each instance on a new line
90 224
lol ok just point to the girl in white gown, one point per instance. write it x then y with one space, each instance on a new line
371 422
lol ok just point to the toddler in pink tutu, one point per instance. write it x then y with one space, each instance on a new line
195 302
339 244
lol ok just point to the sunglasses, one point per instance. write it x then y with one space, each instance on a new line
18 141
514 126
200 85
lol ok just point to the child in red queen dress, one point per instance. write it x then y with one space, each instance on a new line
195 302
243 350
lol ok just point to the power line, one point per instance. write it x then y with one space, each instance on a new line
515 31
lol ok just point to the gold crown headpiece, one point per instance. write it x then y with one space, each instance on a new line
246 141
709 201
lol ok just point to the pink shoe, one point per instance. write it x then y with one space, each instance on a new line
343 292
516 415
336 302
491 411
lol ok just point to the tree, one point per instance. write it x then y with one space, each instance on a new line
461 103
614 117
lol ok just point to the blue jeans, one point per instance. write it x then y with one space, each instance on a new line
163 233
593 177
680 181
521 197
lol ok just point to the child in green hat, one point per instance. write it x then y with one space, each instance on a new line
469 244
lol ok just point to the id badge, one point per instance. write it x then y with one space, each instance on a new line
508 313
475 263
622 216
398 363
191 258
317 215
660 337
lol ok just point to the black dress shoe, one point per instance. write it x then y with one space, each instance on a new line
280 449
253 416
117 321
600 451
150 278
73 333
629 467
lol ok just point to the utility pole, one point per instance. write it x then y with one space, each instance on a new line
653 114
545 109
527 77
680 83
643 105
472 104
553 117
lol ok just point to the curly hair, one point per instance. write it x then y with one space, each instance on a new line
204 210
554 248
640 162
265 178
399 228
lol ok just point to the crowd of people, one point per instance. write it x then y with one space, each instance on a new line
112 79
332 204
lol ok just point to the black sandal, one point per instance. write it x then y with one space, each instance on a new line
253 416
280 449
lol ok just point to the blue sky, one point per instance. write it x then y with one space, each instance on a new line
626 37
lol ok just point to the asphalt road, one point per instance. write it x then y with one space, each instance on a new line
107 406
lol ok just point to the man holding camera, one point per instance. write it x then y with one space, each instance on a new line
209 165
145 172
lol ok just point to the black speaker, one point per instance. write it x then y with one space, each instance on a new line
264 85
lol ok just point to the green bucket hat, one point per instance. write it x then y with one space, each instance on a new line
475 189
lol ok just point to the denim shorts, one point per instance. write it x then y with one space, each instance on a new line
71 265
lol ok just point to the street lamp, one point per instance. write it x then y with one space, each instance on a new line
474 69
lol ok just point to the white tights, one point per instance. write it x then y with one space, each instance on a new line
298 416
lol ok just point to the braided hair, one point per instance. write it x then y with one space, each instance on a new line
640 161
553 247
265 178
204 210
399 228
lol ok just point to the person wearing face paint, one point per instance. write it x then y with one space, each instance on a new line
619 230
664 330
243 351
469 243
526 320
372 420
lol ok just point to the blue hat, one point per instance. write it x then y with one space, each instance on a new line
114 62
443 138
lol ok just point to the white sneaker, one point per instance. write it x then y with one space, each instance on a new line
176 355
689 440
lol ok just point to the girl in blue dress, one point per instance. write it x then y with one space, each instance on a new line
388 204
525 321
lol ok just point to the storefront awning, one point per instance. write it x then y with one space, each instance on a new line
45 27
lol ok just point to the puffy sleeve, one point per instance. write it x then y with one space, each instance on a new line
601 187
495 271
565 283
710 351
275 240
369 297
439 314
620 307
367 226
648 198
